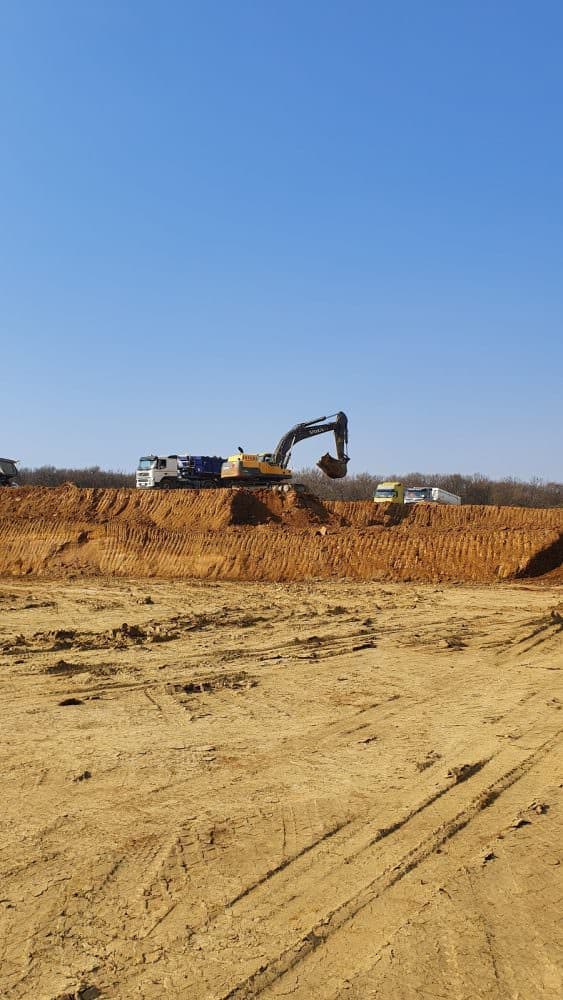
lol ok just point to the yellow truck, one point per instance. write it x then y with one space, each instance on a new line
389 493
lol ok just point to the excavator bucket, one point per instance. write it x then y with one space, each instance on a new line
334 468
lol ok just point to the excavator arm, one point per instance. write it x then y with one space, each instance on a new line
335 468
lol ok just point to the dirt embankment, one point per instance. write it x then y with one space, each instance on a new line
261 535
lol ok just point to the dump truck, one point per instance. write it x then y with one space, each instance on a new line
8 471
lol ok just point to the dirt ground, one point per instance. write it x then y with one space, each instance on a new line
331 789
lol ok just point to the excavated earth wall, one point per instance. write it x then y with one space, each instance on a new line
262 535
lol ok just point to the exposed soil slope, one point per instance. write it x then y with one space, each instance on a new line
261 535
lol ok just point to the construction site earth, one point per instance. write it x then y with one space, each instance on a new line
259 745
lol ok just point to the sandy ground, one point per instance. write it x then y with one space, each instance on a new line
324 790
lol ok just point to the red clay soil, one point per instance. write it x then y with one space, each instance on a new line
262 535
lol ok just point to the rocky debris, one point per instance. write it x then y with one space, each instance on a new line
465 771
14 645
81 993
83 777
518 822
208 683
431 758
452 642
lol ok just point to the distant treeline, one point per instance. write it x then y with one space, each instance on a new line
472 489
48 475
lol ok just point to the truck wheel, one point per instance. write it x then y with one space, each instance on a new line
166 484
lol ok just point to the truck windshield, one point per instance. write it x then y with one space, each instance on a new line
7 468
420 493
147 463
386 494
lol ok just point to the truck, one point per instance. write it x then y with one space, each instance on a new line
176 472
430 494
8 471
389 493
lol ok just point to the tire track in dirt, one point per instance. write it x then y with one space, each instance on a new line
335 919
166 910
314 869
472 904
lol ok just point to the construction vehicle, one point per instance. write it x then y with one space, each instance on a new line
397 493
389 493
200 471
168 472
430 494
271 468
8 471
173 472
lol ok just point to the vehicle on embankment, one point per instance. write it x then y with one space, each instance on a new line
177 472
389 493
430 494
262 469
392 492
8 471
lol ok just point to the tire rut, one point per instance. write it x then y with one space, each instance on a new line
338 917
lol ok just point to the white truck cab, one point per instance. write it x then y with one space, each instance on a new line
430 494
157 471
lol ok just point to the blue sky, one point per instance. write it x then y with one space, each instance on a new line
220 218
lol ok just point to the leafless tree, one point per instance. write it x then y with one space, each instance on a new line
48 475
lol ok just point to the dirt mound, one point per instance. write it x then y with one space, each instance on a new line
263 535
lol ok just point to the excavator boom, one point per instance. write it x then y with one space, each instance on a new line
335 468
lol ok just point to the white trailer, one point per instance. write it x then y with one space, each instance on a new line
430 494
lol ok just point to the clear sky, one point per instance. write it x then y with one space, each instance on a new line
222 217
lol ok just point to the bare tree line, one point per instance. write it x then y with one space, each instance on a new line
49 475
474 489
477 489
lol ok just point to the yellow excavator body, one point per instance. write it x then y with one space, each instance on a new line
260 466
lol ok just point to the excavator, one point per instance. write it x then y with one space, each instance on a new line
271 468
